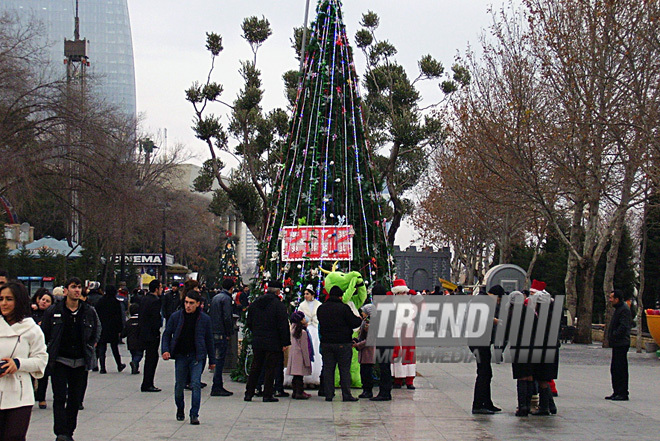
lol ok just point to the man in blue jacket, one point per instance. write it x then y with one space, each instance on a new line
223 328
188 339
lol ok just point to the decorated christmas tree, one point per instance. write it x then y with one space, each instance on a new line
326 200
229 261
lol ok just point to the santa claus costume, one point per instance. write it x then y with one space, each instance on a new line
404 367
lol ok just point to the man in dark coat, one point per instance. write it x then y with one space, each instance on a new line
268 321
482 403
618 336
336 324
112 323
223 328
171 301
150 321
71 330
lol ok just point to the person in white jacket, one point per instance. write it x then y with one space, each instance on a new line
22 352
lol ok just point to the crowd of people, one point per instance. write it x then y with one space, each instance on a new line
63 335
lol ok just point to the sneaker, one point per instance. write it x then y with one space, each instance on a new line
194 421
180 415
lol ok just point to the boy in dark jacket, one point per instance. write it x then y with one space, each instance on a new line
132 333
71 330
188 339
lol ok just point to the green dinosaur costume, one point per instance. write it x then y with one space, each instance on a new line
355 293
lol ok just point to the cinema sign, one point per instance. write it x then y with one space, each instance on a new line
145 259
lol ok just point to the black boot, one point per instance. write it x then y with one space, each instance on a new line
531 389
552 407
523 406
366 393
544 402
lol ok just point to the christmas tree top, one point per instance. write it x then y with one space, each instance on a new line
326 200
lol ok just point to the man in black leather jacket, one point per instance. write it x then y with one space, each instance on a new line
71 329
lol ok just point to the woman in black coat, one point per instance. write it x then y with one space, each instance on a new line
543 373
110 313
519 314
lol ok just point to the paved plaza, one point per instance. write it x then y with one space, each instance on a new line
439 409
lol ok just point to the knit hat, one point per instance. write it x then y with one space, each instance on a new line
537 286
336 291
297 317
496 290
399 287
368 309
275 284
516 297
378 290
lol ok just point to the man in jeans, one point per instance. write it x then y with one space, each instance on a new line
71 329
336 324
223 328
188 339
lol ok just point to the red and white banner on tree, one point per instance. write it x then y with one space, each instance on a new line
317 243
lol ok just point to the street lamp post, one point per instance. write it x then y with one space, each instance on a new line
163 270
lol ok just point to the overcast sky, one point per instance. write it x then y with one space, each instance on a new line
169 38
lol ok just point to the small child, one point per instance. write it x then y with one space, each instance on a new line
132 333
366 354
301 355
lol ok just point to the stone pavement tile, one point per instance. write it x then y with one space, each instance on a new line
258 428
309 428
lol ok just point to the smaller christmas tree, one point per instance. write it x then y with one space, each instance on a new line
229 261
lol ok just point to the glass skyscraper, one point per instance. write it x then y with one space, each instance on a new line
106 25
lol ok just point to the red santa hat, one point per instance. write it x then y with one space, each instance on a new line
399 287
537 286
